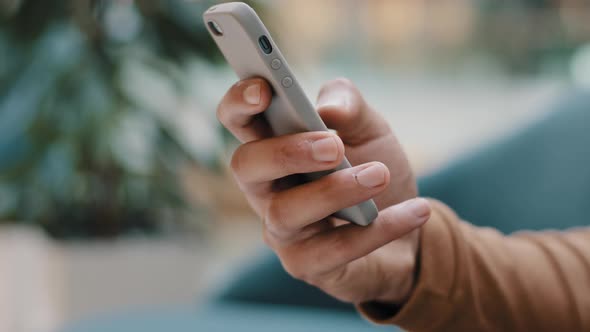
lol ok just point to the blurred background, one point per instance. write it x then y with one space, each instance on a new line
114 189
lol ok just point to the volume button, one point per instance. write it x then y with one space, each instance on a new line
276 64
287 82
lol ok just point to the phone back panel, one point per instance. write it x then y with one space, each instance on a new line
290 110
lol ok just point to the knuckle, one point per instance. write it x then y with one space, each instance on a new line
233 95
268 238
276 217
236 163
295 268
221 113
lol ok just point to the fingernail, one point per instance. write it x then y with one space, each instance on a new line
419 207
372 176
333 100
325 149
252 94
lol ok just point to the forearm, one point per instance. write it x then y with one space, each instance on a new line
474 278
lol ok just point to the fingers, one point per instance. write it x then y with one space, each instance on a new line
310 259
240 109
291 210
343 108
273 158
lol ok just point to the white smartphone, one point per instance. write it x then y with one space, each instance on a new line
251 52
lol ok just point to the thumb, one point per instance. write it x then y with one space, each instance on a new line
343 108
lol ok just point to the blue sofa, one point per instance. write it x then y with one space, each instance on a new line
536 179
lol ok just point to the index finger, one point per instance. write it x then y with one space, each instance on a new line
241 108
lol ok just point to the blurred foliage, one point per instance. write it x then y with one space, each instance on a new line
85 148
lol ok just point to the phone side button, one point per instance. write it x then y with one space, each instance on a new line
287 82
276 64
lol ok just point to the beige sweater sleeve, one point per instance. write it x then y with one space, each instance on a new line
476 279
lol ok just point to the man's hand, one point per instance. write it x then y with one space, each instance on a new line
350 262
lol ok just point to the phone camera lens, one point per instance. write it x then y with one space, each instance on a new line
215 28
265 44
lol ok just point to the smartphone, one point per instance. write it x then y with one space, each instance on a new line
250 50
